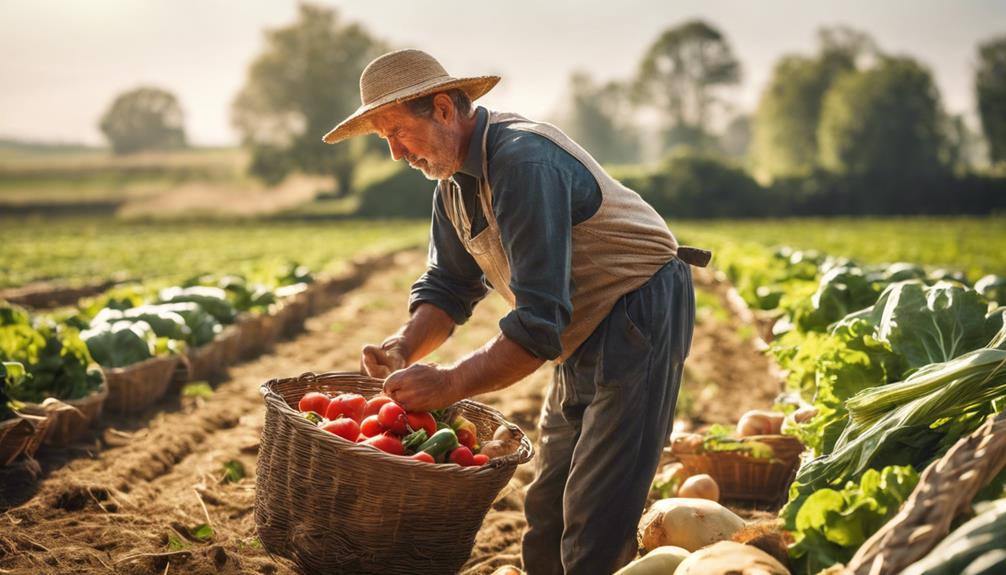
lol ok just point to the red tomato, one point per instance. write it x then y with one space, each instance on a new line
423 456
480 459
350 405
393 417
423 420
371 427
374 404
343 427
314 401
387 443
466 438
462 456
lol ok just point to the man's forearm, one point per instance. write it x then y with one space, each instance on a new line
498 364
425 331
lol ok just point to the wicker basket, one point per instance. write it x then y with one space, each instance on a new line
745 478
258 333
338 507
206 362
70 419
945 489
131 389
230 341
22 434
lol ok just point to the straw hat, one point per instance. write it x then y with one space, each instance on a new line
399 76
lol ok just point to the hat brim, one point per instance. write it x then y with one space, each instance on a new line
360 121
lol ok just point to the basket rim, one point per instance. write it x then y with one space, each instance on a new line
140 364
523 454
101 392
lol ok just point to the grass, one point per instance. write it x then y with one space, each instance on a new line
80 250
974 245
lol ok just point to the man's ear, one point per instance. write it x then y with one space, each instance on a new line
443 108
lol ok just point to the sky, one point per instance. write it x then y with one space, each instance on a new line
64 61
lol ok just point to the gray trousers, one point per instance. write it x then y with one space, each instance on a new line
605 421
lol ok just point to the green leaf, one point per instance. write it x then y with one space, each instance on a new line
175 543
197 389
202 532
234 471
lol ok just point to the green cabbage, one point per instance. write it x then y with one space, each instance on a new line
121 343
212 299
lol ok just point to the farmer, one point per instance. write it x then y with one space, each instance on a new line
595 282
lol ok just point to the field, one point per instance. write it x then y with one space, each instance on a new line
155 491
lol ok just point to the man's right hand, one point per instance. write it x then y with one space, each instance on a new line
380 361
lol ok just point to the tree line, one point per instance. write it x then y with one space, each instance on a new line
848 129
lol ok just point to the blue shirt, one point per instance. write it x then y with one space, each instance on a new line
540 192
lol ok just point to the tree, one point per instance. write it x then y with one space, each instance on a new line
885 121
143 119
302 85
599 120
990 90
789 111
735 142
681 75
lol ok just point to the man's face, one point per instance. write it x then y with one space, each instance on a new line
426 144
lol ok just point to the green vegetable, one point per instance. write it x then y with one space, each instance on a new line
940 404
120 344
11 373
57 362
833 523
165 323
443 441
721 438
993 287
414 440
312 417
212 299
975 548
202 326
11 314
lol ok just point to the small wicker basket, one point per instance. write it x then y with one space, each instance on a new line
22 434
206 362
333 506
741 477
132 388
69 419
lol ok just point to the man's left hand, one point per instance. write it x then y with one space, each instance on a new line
422 387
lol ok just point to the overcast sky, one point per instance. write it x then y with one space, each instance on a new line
64 61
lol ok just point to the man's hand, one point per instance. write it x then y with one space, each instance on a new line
380 361
422 387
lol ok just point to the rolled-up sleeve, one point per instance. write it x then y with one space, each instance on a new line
532 203
453 280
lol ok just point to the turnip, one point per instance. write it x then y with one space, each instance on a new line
688 523
661 561
730 558
700 486
760 422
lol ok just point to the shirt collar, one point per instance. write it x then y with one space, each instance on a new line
473 160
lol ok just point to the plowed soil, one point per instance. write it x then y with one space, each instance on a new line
127 500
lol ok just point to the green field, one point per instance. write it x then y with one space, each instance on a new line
91 249
976 246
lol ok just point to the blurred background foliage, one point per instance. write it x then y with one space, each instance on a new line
848 129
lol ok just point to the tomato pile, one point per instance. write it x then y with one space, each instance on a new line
443 436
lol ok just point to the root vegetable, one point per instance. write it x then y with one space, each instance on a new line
661 561
687 523
730 558
503 433
669 479
760 422
700 486
497 448
686 443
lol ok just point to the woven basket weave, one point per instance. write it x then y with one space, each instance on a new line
22 434
206 362
132 388
945 489
71 421
339 507
745 478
